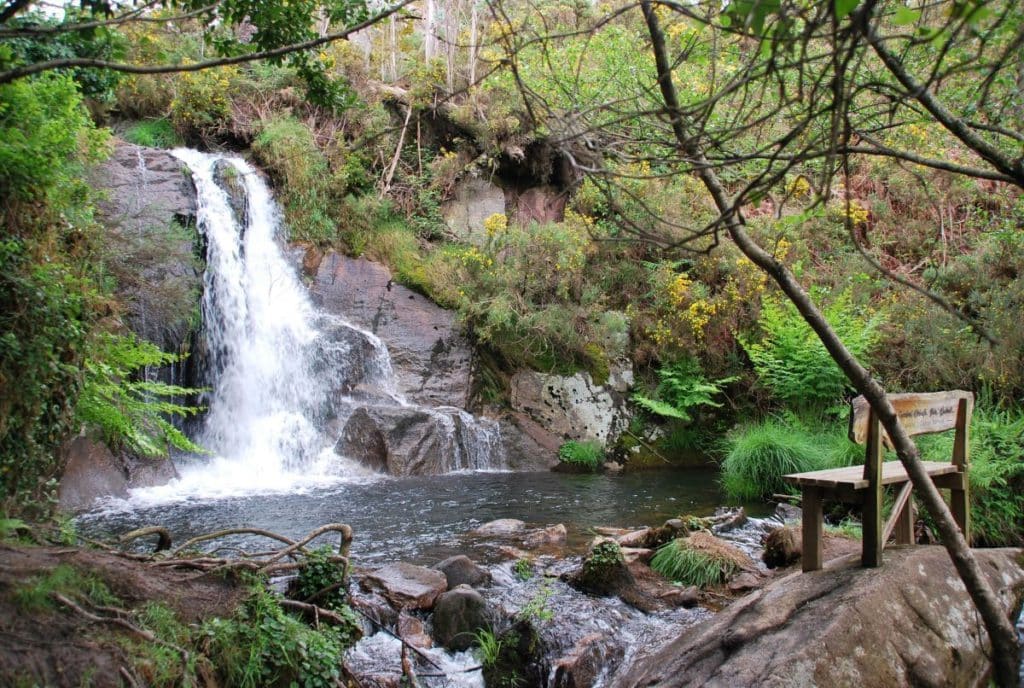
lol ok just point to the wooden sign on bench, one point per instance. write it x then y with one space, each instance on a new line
919 414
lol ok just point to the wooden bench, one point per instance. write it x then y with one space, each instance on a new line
919 414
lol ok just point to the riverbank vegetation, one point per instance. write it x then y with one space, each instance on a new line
374 173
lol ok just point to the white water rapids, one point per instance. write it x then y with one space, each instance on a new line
278 367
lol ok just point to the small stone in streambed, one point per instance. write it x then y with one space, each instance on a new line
552 535
500 527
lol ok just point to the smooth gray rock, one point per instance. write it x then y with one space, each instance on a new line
908 622
459 615
401 440
460 570
502 527
150 243
92 471
406 586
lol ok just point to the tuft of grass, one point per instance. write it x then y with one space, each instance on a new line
587 453
758 455
153 133
488 647
37 594
847 529
679 562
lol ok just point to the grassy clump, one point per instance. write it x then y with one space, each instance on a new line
588 453
758 455
38 593
153 133
699 560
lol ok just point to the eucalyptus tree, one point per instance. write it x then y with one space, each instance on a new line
240 31
747 95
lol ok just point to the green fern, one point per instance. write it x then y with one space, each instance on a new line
128 411
682 387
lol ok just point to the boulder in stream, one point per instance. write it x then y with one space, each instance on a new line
406 586
460 570
459 615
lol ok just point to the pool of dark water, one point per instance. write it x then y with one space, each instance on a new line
425 519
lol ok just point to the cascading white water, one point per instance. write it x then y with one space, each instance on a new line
280 372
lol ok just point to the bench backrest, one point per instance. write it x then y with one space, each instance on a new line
919 414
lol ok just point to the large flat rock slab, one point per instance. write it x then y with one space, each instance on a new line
430 355
406 586
909 622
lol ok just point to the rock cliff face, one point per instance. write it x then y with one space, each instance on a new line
909 622
151 244
431 357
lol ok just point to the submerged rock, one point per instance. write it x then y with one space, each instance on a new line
459 615
589 658
500 527
406 586
909 622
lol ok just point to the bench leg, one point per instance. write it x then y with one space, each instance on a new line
960 505
871 552
812 528
904 530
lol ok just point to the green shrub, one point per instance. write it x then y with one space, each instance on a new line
588 453
264 646
286 149
201 108
683 563
153 133
792 362
758 455
682 388
995 472
319 574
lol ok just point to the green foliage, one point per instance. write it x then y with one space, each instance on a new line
588 453
285 147
678 562
488 647
37 593
125 407
263 646
100 43
537 609
318 574
758 455
792 362
522 569
153 133
682 387
996 472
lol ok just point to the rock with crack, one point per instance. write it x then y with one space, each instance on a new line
909 622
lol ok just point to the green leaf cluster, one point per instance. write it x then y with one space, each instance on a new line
682 388
123 405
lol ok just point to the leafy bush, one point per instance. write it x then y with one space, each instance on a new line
792 362
286 149
682 387
200 109
758 455
995 472
264 646
125 407
681 561
588 453
153 133
321 576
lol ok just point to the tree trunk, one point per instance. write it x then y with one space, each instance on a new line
1006 653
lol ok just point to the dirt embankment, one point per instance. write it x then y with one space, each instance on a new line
45 641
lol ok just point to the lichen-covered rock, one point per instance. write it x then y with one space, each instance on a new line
459 615
574 407
908 622
406 586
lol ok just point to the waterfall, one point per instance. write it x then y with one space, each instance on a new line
283 378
